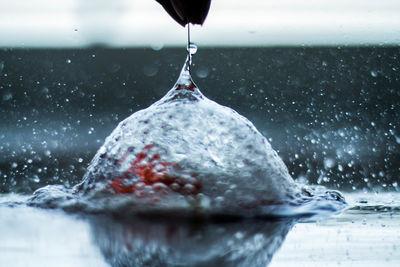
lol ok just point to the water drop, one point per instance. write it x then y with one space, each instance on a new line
36 179
192 48
340 168
329 163
239 235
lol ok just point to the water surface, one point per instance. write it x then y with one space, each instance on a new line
366 234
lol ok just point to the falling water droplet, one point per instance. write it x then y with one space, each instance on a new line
192 48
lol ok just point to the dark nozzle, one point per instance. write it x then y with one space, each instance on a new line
187 11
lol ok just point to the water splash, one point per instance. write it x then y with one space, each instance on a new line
186 154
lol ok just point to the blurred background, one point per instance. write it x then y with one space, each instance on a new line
320 79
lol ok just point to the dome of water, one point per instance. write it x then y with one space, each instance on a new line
187 153
187 149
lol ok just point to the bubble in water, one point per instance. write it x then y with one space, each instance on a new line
374 73
68 61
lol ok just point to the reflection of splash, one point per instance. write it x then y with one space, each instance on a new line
147 242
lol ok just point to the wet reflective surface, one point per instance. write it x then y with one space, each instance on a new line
158 242
368 234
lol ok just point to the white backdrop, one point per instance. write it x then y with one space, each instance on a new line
76 23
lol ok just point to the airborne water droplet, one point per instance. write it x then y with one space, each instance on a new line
192 48
36 179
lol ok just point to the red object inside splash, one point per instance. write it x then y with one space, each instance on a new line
153 172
